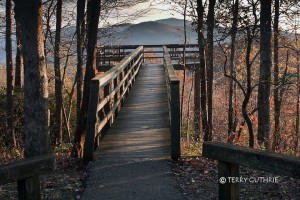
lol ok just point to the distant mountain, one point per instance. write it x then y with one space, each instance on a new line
165 31
174 22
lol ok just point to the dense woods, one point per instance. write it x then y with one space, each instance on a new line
243 87
246 34
246 53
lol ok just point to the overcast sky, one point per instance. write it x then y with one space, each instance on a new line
156 9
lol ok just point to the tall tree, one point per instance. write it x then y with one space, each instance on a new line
183 62
197 74
9 76
58 83
29 14
201 72
80 31
36 129
248 88
233 32
210 66
296 142
250 25
19 58
277 103
200 77
50 10
265 73
247 92
297 126
93 13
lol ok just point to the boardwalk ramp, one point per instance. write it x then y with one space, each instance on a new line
133 159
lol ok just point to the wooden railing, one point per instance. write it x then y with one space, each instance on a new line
172 82
107 93
230 157
106 55
26 172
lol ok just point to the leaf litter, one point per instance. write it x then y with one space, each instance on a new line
66 182
198 179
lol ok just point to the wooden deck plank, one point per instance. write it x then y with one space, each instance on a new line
144 115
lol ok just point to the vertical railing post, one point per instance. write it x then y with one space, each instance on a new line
228 190
173 85
143 55
104 56
88 151
116 97
98 54
107 89
122 87
29 188
175 119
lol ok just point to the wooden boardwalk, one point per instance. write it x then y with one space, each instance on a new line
132 161
142 127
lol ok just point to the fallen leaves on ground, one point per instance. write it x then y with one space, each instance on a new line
198 179
66 182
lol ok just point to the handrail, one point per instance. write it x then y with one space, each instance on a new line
230 157
173 82
107 54
107 93
148 46
27 170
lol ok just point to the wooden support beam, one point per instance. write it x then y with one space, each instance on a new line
173 82
26 168
29 188
89 142
256 159
175 120
228 190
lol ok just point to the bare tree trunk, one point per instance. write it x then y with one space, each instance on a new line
296 141
210 66
80 31
50 12
19 58
202 75
197 75
9 77
231 127
184 63
93 13
265 74
188 110
200 79
276 79
248 90
29 14
58 83
297 108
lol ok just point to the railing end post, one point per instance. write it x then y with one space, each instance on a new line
175 121
227 189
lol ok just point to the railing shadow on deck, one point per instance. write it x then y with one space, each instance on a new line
107 94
